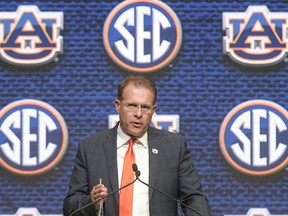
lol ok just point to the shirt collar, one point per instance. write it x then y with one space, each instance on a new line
122 138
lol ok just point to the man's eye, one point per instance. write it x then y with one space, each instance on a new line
145 107
132 105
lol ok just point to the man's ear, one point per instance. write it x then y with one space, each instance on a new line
117 105
155 108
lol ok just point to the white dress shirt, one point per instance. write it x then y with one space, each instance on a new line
141 191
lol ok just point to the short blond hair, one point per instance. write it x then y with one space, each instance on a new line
137 80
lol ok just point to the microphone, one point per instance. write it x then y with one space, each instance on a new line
102 198
136 171
137 174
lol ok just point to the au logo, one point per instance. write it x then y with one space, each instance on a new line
163 122
253 137
33 137
256 37
258 212
142 35
29 37
29 212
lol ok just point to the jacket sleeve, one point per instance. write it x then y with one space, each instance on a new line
190 189
78 196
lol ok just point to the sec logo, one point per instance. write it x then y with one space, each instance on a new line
33 137
142 35
253 137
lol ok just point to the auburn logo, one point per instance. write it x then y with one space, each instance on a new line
30 37
256 37
162 122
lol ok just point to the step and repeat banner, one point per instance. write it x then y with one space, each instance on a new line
221 69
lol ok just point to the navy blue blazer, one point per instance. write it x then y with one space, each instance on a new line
171 171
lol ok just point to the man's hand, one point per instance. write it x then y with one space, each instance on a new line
97 193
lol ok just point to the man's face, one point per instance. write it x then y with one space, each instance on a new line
135 110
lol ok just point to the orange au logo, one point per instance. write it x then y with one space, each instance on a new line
29 37
142 35
33 137
256 37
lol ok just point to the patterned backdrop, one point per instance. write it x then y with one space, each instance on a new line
201 85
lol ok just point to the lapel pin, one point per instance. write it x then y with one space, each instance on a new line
155 151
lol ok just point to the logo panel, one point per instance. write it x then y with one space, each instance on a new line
162 122
33 137
253 137
29 37
29 212
142 35
256 37
258 212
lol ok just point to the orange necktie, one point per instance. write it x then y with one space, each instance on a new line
126 195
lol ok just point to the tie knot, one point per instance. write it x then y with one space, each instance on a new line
131 141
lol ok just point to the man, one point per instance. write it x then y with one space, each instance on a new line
161 156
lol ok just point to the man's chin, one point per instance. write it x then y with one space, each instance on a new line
136 133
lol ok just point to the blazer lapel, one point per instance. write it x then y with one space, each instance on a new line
153 159
110 151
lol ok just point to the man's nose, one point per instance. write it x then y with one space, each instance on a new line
138 111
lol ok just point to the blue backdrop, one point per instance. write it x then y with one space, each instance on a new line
201 85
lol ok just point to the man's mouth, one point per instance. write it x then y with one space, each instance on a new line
136 124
